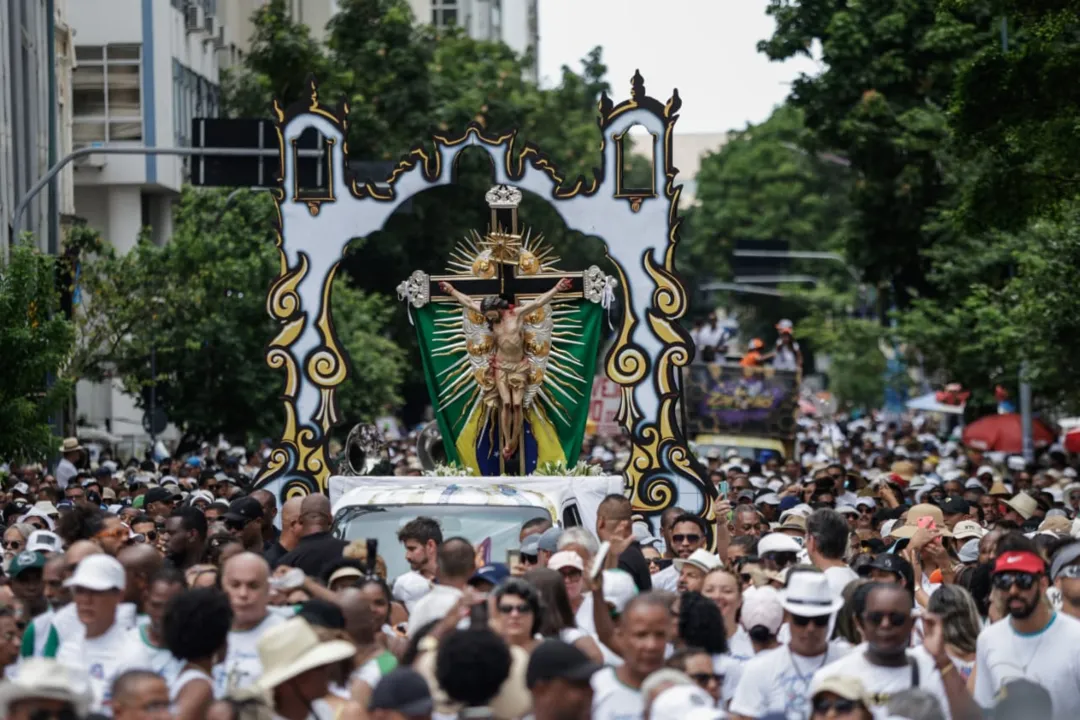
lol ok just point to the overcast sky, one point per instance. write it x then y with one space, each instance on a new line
705 48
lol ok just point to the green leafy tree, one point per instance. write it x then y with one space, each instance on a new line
37 341
200 301
1013 115
763 185
880 101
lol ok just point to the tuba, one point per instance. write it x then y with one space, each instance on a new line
365 448
429 447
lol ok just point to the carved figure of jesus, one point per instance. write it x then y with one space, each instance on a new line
510 367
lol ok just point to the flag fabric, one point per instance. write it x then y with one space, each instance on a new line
554 420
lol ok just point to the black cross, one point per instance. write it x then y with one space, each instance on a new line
508 284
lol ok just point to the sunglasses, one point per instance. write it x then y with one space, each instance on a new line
13 544
1070 571
64 714
521 609
691 538
704 679
803 621
896 619
529 559
840 705
1022 580
236 524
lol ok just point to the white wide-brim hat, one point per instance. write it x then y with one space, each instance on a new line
291 649
45 679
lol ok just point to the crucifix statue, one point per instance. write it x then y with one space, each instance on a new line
508 365
522 345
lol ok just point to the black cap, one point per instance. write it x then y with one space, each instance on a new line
1020 699
955 505
894 564
244 509
158 494
554 660
402 690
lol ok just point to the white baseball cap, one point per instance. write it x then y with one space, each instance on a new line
675 703
45 542
98 572
777 542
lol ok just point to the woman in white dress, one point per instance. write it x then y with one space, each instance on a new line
196 628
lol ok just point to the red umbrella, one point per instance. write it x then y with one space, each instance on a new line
1003 433
1072 441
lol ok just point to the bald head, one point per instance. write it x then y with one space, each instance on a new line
315 514
359 620
290 522
140 558
247 564
79 550
245 578
140 563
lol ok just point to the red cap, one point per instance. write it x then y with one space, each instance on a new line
1022 561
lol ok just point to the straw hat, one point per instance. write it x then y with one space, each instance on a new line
46 679
917 513
845 686
1023 503
71 445
291 649
905 469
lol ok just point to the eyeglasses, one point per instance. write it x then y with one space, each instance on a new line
840 705
691 538
896 619
703 679
803 620
1022 580
522 609
13 544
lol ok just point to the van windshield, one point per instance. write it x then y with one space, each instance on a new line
501 524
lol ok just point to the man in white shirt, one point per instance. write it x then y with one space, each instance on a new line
146 643
642 631
456 562
779 681
98 585
826 542
687 535
70 451
245 578
885 665
1034 642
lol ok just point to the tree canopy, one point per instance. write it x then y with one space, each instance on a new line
37 341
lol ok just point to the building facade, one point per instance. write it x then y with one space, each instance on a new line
35 117
144 69
515 22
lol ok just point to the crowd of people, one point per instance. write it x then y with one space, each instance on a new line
880 573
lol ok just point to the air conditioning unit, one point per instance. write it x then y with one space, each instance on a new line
191 17
218 41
